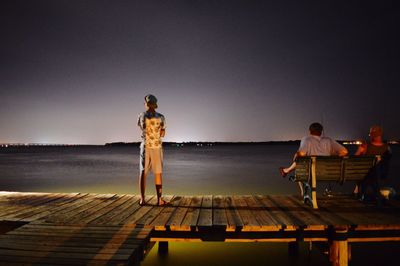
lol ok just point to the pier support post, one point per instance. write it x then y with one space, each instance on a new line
339 255
339 248
293 248
163 247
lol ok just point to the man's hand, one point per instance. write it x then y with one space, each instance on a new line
343 152
362 149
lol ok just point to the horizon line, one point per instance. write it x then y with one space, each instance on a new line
116 143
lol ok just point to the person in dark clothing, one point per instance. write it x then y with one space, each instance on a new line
369 188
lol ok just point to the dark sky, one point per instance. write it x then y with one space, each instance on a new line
77 71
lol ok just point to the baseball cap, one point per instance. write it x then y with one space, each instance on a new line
151 100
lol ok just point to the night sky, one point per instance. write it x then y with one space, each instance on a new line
77 71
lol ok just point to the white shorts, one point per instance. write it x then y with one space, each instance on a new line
151 158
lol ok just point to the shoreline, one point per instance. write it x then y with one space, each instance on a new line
179 144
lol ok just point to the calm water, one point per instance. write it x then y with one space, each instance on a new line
243 169
233 169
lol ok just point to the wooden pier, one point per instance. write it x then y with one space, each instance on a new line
81 228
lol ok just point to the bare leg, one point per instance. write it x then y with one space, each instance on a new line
356 189
142 185
158 181
290 168
301 188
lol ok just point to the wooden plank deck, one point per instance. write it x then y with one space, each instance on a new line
73 245
81 228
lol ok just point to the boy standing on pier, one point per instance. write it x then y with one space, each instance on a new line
152 125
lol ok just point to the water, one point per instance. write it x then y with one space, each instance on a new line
242 169
245 169
218 170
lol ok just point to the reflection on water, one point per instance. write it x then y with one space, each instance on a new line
225 253
220 253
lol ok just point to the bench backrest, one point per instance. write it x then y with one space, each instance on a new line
334 168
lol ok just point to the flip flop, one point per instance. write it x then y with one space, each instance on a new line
283 174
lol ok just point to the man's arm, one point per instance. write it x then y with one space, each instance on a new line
163 126
298 154
343 152
140 121
339 149
303 148
362 149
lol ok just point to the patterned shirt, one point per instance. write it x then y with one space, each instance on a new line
151 125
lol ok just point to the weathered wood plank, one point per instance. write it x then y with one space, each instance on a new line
283 205
322 214
192 214
177 217
77 235
19 198
80 232
34 213
29 246
64 209
234 220
299 214
141 211
106 213
90 214
120 213
357 213
81 207
72 240
87 244
219 214
14 261
71 246
250 222
29 204
205 216
264 218
60 255
76 227
162 218
279 215
153 213
51 209
105 210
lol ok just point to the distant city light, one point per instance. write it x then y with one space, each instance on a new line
353 142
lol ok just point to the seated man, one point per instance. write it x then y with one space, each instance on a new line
371 184
315 145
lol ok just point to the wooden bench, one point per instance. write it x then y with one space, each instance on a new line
311 169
